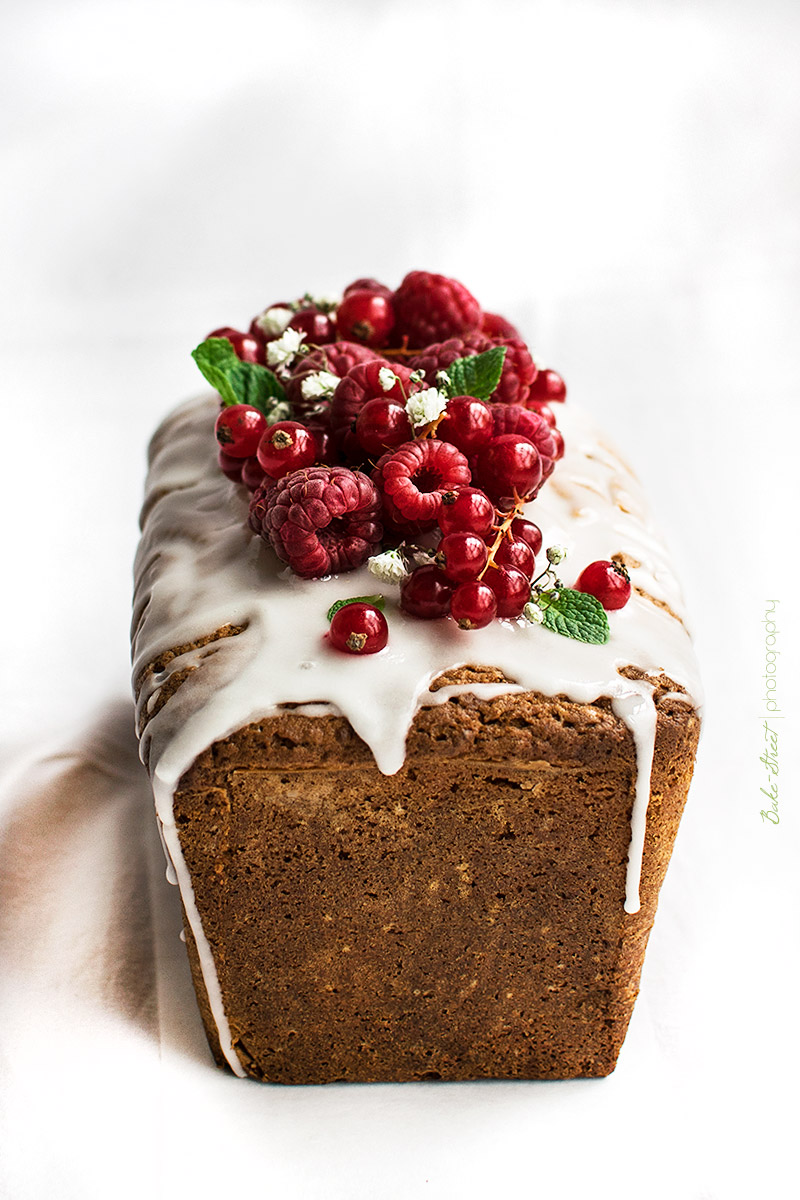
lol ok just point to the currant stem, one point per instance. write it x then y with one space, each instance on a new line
503 528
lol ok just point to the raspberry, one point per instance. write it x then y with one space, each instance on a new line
319 520
336 359
430 308
498 327
361 384
519 369
511 418
415 476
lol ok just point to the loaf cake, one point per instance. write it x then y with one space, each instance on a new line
440 859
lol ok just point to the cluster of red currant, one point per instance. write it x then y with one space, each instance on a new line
381 420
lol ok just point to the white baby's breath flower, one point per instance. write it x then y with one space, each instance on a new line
533 613
388 567
281 352
424 407
319 384
387 378
556 554
279 412
443 379
273 321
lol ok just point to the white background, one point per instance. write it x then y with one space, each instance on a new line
621 180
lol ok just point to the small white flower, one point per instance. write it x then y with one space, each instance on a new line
273 321
281 352
533 613
425 406
279 412
443 379
388 567
319 384
387 378
556 554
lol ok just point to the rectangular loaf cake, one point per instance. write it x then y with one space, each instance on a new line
441 861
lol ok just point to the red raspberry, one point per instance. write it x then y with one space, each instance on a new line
319 520
511 418
430 308
415 476
498 327
360 385
337 358
519 369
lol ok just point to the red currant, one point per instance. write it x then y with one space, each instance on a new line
512 589
516 554
286 446
248 348
381 425
426 593
559 441
467 423
544 410
366 317
526 531
462 556
507 465
252 473
317 326
549 387
367 285
608 582
238 429
232 467
473 605
359 628
326 447
468 509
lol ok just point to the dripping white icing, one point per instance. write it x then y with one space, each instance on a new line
199 569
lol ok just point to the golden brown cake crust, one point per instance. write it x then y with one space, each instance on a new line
461 919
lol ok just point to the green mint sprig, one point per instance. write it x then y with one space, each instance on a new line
239 382
376 601
477 375
563 610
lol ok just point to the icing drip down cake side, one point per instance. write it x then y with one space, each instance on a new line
432 863
416 694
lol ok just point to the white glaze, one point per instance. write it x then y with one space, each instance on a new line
199 568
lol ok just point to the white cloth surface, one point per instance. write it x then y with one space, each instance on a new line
621 180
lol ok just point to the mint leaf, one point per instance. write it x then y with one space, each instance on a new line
238 382
575 615
477 375
376 602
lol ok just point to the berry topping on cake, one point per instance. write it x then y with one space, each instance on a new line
358 628
366 316
429 308
319 520
608 582
417 474
238 429
518 372
409 431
